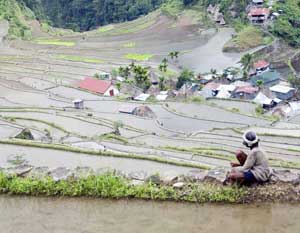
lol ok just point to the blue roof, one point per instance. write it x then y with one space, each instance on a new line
267 77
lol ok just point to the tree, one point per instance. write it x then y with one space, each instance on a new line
119 86
247 62
185 76
173 54
141 77
161 83
124 72
260 83
163 67
294 81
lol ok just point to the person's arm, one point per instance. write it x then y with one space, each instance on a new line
250 161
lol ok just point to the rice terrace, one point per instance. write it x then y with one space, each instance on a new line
151 104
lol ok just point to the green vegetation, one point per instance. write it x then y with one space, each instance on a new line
249 37
16 14
141 75
247 62
185 77
129 45
259 110
138 57
210 152
84 15
79 59
50 41
172 8
113 136
106 28
287 26
112 186
51 124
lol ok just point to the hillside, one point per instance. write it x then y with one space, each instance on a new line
17 15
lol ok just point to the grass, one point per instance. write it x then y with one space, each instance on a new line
50 41
62 147
106 28
249 37
129 45
13 119
138 57
134 26
209 152
116 187
79 59
112 136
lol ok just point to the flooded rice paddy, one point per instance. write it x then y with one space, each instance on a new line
43 215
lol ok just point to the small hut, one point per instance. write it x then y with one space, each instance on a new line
78 103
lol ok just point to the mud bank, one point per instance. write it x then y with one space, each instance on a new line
195 186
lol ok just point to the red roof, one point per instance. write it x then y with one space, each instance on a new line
95 85
247 89
261 64
259 11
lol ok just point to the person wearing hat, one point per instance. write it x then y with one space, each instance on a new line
252 168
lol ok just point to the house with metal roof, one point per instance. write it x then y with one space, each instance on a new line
269 78
245 92
103 87
258 15
261 66
283 92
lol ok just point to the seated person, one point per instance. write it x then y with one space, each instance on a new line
252 168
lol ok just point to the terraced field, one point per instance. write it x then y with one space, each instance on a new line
37 87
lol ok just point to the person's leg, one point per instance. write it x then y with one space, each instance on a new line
236 177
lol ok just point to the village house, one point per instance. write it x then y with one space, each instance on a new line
269 78
142 97
78 103
210 90
245 92
225 91
261 66
128 109
283 92
162 96
264 101
206 78
103 87
258 15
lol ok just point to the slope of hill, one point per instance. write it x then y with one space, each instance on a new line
16 13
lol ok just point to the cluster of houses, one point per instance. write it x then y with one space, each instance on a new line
257 13
264 87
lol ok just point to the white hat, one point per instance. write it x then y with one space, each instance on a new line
250 138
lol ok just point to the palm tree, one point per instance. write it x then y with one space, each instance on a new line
247 62
174 54
161 83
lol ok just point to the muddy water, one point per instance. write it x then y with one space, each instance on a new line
41 215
